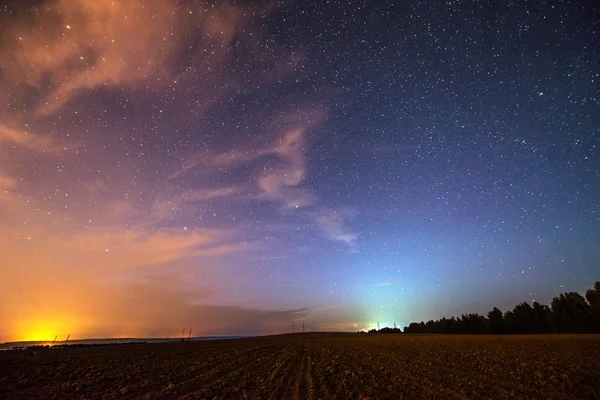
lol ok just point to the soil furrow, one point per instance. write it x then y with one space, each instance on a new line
284 382
300 387
223 375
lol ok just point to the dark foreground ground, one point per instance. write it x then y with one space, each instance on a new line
314 366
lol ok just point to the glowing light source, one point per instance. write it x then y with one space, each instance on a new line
44 329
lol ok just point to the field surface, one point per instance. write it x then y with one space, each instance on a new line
314 366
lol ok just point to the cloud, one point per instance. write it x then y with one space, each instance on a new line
208 194
127 248
34 248
82 45
110 281
170 206
333 223
210 162
7 182
387 283
349 326
26 139
22 140
281 182
336 318
284 169
284 159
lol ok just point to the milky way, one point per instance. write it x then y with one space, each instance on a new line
235 166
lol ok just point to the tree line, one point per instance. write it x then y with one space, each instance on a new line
568 313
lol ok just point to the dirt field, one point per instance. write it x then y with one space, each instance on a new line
314 366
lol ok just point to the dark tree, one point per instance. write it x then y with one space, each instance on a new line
471 323
541 318
571 313
593 298
523 318
495 322
510 323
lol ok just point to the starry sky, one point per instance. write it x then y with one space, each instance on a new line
233 166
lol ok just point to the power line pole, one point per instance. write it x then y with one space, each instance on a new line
377 325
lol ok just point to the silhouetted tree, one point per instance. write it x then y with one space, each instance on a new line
593 298
541 318
571 313
510 323
474 323
446 325
411 328
389 330
495 324
523 318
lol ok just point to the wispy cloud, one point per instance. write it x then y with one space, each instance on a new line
6 185
387 283
7 182
350 326
285 163
281 181
333 223
169 205
20 139
208 194
26 139
283 173
80 45
336 318
140 248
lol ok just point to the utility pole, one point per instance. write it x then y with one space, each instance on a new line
54 340
182 333
66 341
190 335
377 325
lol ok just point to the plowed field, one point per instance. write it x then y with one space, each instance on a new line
314 366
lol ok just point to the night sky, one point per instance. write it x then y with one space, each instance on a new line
231 167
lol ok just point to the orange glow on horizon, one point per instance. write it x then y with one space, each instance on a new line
45 329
